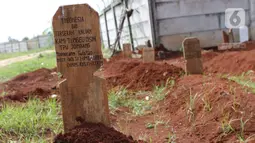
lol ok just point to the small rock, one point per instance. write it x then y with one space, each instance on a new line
54 96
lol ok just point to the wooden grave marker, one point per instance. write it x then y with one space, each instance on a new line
78 51
192 55
148 55
127 53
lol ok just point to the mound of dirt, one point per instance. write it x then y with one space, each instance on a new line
136 75
40 83
233 62
93 133
217 104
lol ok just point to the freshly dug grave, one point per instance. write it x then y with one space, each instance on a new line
136 75
40 83
181 121
223 62
93 133
233 62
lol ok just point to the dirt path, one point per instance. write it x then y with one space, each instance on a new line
22 58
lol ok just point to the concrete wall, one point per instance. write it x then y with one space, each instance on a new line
140 22
38 42
176 19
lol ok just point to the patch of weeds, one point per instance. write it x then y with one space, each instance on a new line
235 104
232 90
138 106
240 135
171 137
226 124
160 92
207 105
154 125
122 98
242 126
157 122
143 137
3 93
117 98
31 121
191 106
244 81
150 126
40 56
248 140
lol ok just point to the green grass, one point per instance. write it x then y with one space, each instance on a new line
122 98
44 61
4 56
244 80
31 121
139 105
106 53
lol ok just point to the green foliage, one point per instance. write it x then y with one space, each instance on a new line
31 121
12 70
207 105
149 126
243 80
191 106
242 125
122 98
106 53
226 124
160 92
171 137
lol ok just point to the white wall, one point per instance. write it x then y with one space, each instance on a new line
39 42
204 19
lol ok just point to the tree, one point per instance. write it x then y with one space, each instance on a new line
48 31
25 39
10 39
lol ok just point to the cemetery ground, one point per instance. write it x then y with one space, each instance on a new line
153 102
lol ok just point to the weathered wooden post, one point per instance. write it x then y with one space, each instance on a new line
192 55
127 53
148 55
78 50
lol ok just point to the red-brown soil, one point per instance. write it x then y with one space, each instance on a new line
223 62
40 83
227 99
94 133
233 62
136 75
